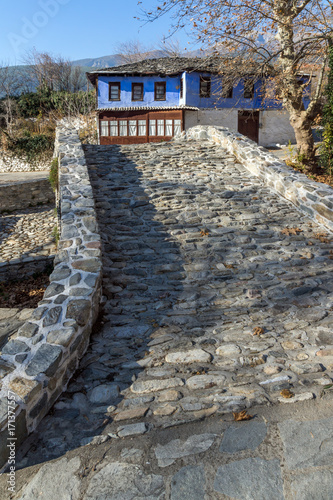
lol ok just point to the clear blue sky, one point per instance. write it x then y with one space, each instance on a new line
75 29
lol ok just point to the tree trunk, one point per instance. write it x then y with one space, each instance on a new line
301 124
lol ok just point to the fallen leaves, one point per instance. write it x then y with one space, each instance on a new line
23 293
242 415
322 237
229 266
286 393
291 230
204 232
258 330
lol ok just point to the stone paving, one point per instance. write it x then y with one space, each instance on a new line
217 297
27 233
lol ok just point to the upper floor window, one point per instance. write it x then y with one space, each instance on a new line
114 91
205 86
160 91
248 89
181 94
137 91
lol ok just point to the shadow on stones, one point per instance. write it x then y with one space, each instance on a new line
160 294
142 279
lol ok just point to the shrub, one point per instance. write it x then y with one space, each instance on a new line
53 177
31 147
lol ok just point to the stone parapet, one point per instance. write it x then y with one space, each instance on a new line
314 199
38 361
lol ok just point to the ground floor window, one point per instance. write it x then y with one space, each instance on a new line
132 127
152 127
104 128
113 128
138 127
160 127
142 127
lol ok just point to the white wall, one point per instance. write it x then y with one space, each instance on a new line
222 117
276 128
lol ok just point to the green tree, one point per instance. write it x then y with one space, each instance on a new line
326 150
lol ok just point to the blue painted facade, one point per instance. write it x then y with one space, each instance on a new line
191 93
172 91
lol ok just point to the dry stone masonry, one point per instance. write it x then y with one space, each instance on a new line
11 163
21 195
38 361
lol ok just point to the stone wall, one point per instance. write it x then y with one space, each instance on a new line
24 268
314 199
25 194
11 163
38 361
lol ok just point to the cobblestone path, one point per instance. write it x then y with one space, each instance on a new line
217 296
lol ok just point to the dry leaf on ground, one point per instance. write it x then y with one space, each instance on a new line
242 415
286 393
322 237
258 330
291 230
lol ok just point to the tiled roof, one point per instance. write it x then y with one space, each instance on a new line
149 108
162 66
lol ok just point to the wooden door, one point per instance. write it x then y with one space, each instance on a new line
248 124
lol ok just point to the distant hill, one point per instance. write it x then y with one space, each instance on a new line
90 64
115 59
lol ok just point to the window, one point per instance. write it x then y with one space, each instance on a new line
177 127
160 127
181 88
152 127
248 89
205 85
168 127
137 91
114 91
113 128
122 127
142 127
132 127
104 128
160 91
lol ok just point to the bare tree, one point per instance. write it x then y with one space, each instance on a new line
78 79
171 47
54 72
132 51
281 38
10 86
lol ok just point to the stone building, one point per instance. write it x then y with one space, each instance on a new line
155 99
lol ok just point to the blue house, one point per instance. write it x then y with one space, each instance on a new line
155 99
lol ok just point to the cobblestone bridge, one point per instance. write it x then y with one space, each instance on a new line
217 297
